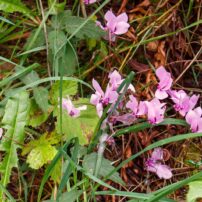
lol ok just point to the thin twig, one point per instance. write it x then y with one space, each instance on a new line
46 38
194 59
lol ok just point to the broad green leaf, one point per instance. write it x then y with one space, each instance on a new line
70 196
66 56
40 40
11 6
69 60
58 7
89 30
82 126
69 88
41 97
71 23
56 39
41 155
14 120
195 191
89 163
40 151
36 117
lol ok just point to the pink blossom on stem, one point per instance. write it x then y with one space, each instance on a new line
138 109
183 103
153 164
116 25
89 1
115 80
71 110
165 82
100 99
155 111
193 117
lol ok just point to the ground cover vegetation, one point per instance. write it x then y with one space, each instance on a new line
100 100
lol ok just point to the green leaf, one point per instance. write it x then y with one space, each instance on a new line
69 60
69 88
82 126
36 117
89 30
89 164
195 191
56 172
56 39
58 7
41 152
70 196
41 97
11 6
66 56
14 120
71 23
40 40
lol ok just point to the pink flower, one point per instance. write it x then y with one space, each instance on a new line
71 110
116 25
100 99
138 109
165 82
115 80
183 103
194 118
89 1
155 111
154 165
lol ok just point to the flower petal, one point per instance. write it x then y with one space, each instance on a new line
161 94
163 171
121 28
97 87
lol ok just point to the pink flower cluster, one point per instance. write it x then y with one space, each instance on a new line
154 109
183 103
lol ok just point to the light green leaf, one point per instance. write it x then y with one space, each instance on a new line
41 151
89 163
14 120
195 191
41 97
82 126
11 6
69 88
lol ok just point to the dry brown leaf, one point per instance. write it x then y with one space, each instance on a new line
160 56
139 67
